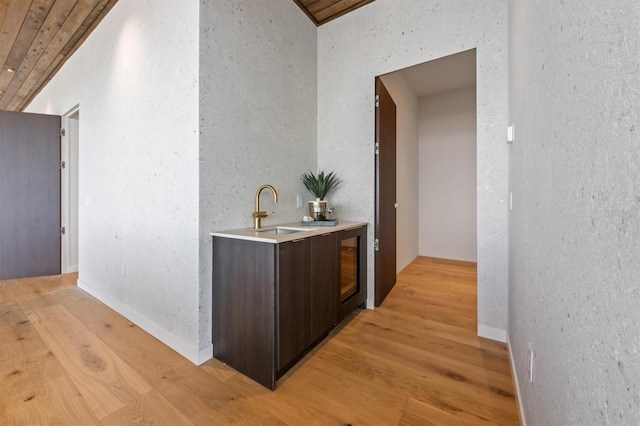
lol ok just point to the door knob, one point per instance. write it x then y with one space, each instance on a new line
397 205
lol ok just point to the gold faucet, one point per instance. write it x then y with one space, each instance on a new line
257 215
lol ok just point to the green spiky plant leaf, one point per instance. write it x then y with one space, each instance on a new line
321 184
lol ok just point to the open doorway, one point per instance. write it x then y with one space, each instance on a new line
69 190
436 159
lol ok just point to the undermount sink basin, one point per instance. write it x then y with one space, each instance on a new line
281 230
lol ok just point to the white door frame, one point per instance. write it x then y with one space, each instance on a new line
65 191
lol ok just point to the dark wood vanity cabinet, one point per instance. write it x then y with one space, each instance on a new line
273 302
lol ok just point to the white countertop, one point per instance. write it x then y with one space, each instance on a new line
266 237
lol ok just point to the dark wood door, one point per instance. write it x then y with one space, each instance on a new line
385 221
294 299
29 195
323 285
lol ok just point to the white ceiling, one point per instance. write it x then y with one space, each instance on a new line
443 74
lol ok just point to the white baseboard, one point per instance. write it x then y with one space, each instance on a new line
174 342
68 269
516 385
204 355
492 333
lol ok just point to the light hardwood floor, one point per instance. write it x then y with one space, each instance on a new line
66 358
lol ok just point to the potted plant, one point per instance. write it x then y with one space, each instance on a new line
319 186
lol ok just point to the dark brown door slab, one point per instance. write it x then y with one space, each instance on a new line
385 221
29 195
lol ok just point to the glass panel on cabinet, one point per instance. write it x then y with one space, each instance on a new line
348 268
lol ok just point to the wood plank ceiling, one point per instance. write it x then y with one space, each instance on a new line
38 36
323 11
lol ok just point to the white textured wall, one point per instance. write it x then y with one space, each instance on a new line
447 133
407 168
575 225
387 35
258 118
136 81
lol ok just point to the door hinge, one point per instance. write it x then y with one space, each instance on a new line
62 230
62 132
376 244
377 101
62 165
376 148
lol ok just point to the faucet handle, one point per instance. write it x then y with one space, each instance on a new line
260 214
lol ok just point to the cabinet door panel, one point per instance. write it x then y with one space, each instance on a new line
294 324
243 307
323 284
